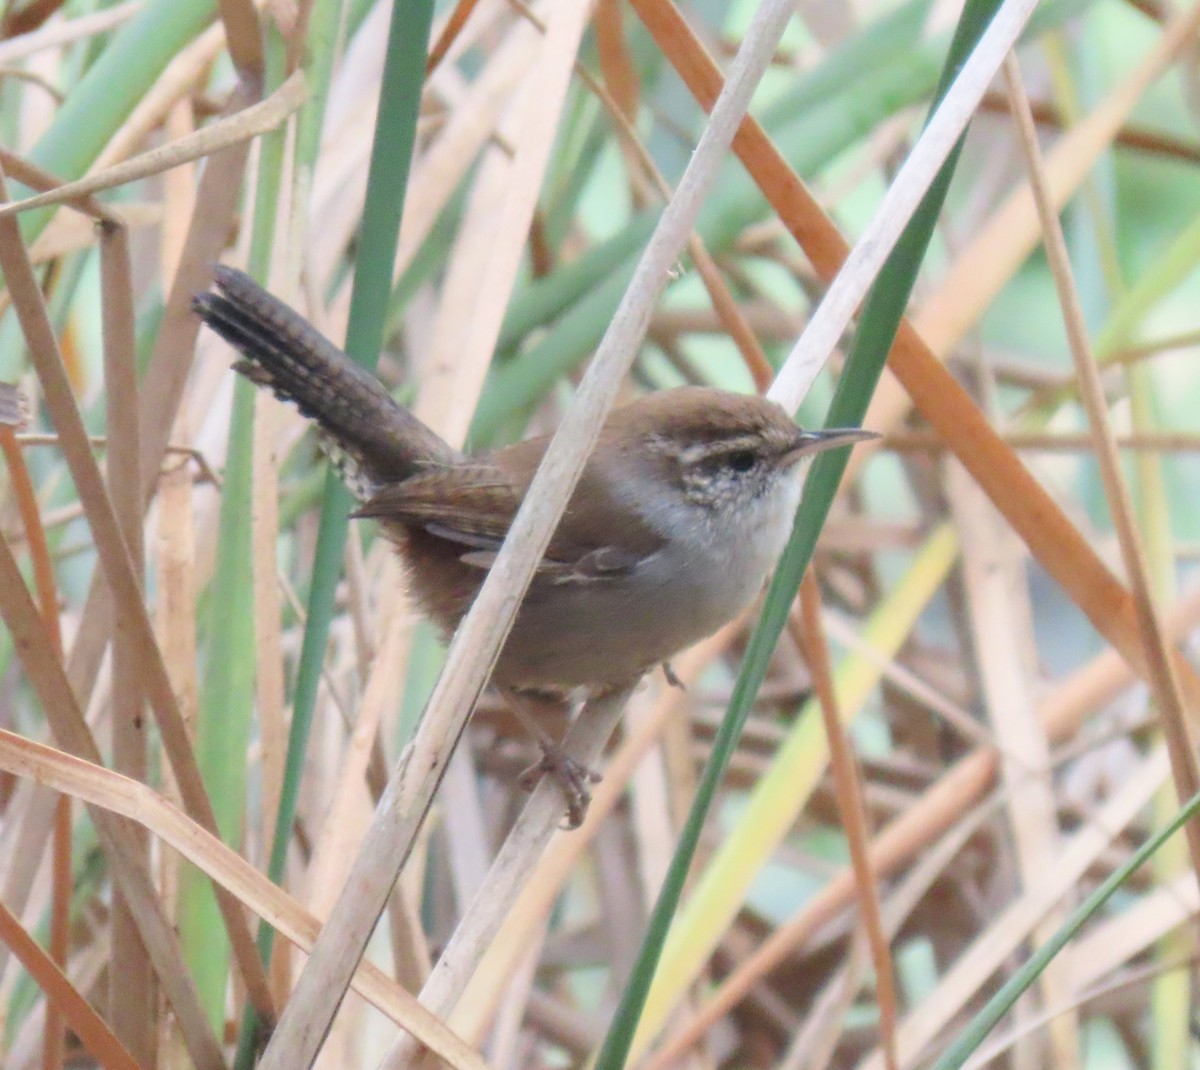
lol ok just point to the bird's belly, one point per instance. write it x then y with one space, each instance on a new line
608 631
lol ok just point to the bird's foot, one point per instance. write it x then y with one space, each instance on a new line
572 776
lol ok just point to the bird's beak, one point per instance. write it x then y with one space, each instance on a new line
809 443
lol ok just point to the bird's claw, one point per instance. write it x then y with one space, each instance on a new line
572 776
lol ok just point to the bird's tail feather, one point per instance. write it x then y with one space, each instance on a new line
373 439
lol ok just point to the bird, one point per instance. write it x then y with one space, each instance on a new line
680 513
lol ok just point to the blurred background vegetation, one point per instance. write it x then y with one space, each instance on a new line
1003 743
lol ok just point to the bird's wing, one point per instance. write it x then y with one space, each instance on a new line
472 506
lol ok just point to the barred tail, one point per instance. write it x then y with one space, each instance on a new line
283 351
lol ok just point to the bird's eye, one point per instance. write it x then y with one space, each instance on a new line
742 460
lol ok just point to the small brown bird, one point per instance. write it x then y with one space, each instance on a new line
681 511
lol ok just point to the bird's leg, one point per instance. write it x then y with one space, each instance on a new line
572 776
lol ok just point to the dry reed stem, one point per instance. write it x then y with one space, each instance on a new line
1128 136
173 557
248 123
62 889
269 686
178 195
345 822
68 234
452 376
1163 679
39 178
616 63
808 633
1055 441
86 967
244 37
133 996
653 823
110 794
117 566
480 635
337 193
622 107
449 33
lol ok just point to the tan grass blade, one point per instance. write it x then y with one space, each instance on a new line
242 126
115 794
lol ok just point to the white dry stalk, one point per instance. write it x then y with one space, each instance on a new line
318 993
901 200
508 874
